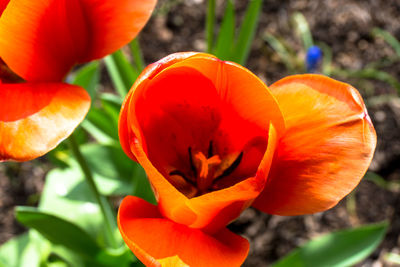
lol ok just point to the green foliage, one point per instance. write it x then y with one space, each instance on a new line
88 77
210 23
231 45
381 182
287 55
247 32
121 71
20 252
343 248
389 38
58 230
303 30
226 34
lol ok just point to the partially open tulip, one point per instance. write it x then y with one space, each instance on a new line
214 139
40 41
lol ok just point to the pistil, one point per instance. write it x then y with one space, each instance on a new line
205 170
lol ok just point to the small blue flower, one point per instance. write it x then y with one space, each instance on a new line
313 58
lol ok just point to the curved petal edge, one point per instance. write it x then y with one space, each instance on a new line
36 117
157 241
326 149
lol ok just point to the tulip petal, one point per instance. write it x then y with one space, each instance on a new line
3 5
124 130
36 117
114 23
54 35
326 150
213 210
174 261
152 237
186 101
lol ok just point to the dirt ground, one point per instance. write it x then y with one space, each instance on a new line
345 26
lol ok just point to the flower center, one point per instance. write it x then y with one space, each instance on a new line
206 171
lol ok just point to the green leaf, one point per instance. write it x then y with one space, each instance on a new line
102 120
286 56
303 30
111 167
389 38
111 98
58 230
100 136
210 24
122 73
247 31
20 252
88 77
369 73
69 257
116 257
227 33
343 248
137 55
67 195
327 58
141 186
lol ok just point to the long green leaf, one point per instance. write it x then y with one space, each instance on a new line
343 248
370 74
282 51
303 30
58 230
327 59
226 33
247 31
121 72
137 54
389 38
210 24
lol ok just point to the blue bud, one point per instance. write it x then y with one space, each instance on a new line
313 57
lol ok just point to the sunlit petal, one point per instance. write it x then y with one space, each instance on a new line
36 117
326 150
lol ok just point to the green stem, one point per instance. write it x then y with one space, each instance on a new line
109 222
210 24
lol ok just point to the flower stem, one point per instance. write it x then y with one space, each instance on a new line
105 207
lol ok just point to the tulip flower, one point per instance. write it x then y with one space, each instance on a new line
214 140
40 41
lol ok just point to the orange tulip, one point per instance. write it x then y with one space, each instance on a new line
213 140
40 41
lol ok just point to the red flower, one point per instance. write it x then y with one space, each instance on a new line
213 140
40 41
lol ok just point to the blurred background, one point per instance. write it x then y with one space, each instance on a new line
360 43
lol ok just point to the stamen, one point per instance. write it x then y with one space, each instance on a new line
231 168
181 174
210 149
194 170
